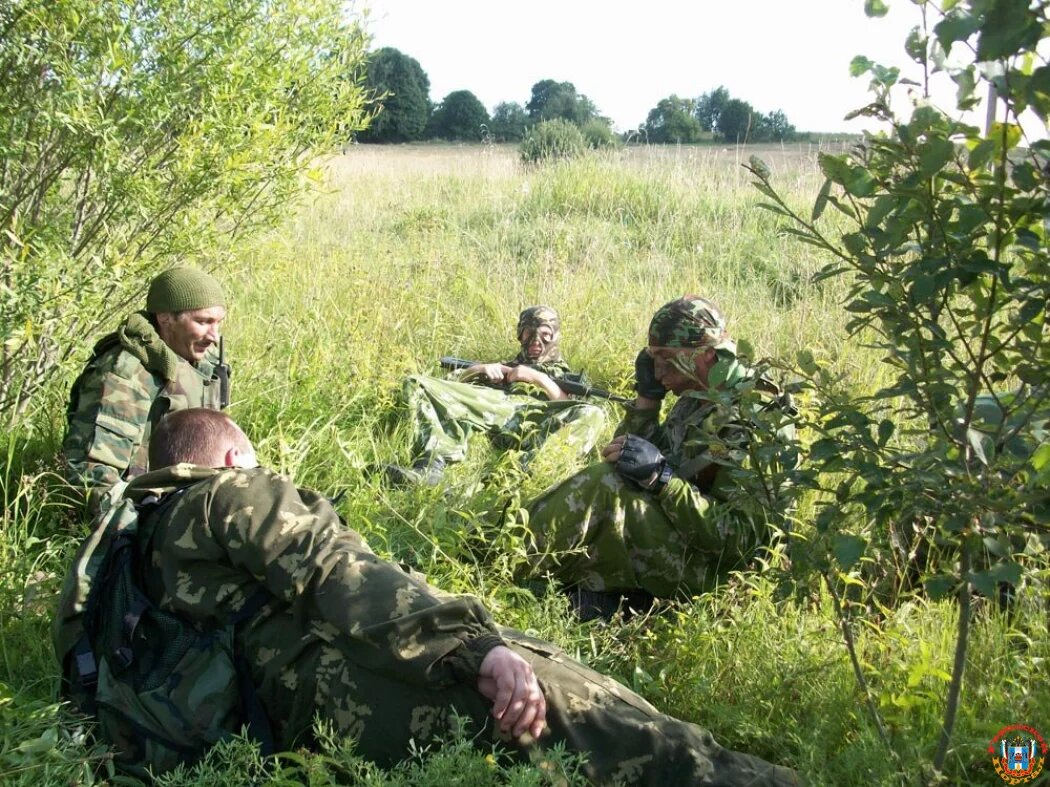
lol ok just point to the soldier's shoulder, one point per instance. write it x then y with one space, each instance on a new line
254 483
113 358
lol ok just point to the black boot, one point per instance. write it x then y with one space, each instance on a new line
425 471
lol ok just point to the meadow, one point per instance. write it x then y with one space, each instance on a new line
404 254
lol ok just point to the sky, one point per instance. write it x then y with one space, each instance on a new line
791 55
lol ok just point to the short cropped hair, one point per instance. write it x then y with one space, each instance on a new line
198 435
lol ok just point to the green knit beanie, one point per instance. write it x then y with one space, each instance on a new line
183 289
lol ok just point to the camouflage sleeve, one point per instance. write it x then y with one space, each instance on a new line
107 422
552 368
389 621
714 526
644 423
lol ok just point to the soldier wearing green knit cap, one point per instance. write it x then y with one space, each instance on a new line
158 360
677 503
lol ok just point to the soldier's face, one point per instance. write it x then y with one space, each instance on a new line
535 341
682 368
190 333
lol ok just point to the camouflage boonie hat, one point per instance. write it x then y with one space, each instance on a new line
535 316
689 321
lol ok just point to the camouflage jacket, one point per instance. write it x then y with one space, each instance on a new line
733 447
231 531
131 381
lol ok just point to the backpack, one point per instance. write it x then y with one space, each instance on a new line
163 689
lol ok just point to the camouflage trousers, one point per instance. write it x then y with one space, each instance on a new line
445 413
625 739
598 532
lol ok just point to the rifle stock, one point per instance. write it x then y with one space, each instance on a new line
571 387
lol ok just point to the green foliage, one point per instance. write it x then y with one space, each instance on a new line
509 122
709 108
133 136
673 120
945 252
597 134
451 760
466 238
552 140
401 89
460 116
552 100
738 121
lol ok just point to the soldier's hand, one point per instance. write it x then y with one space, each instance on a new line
518 704
611 452
645 382
641 462
542 380
489 372
524 374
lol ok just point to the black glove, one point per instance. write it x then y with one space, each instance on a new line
641 462
645 382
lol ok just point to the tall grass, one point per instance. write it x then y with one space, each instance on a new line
411 253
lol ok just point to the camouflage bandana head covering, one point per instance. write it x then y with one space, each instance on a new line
690 321
530 321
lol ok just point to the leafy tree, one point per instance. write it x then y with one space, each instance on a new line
945 247
673 120
459 116
133 135
509 122
552 140
775 127
738 121
552 100
402 90
709 108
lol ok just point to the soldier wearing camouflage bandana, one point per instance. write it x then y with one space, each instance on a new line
523 414
675 505
158 360
357 641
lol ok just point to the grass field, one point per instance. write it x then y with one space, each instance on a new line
408 253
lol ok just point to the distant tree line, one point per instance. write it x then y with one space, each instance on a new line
715 115
402 90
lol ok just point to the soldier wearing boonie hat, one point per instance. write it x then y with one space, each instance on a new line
689 321
158 360
671 510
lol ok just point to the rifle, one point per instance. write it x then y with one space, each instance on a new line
222 374
571 387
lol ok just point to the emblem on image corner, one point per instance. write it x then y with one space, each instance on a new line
1018 753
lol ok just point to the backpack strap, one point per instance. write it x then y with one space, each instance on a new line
255 716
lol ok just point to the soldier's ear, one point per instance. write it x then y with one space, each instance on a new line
231 457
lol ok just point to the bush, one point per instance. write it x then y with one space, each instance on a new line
552 140
133 135
597 134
